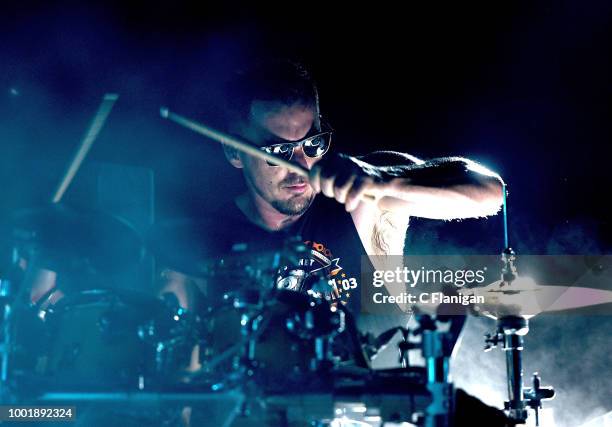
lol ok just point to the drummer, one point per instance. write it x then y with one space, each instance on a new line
275 105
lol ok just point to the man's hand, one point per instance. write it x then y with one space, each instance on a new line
347 179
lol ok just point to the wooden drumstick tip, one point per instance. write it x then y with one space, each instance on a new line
164 112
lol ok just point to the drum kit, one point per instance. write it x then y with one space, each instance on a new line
275 356
255 351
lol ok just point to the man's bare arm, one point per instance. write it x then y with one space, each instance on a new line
444 188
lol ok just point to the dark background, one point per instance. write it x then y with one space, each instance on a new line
523 87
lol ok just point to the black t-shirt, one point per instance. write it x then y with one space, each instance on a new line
333 251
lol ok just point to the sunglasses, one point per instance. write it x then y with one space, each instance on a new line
314 146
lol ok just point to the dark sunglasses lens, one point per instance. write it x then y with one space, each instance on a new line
283 151
317 146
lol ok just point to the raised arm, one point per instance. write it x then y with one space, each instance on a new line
404 186
444 188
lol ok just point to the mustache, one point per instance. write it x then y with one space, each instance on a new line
293 179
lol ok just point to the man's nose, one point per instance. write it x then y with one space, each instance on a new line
300 158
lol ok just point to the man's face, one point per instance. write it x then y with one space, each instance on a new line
285 191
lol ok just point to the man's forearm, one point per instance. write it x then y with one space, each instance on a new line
444 188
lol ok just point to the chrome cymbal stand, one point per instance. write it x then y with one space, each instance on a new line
510 332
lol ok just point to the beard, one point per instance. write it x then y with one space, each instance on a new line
296 205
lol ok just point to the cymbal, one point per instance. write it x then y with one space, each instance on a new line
523 297
64 236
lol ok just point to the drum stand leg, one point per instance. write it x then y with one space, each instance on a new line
7 338
322 361
510 332
5 345
513 330
437 348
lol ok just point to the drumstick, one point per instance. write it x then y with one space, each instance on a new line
233 142
92 133
245 147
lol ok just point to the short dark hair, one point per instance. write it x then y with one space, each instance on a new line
281 80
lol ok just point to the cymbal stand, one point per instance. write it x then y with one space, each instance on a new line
509 333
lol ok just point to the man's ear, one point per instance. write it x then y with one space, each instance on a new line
232 156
